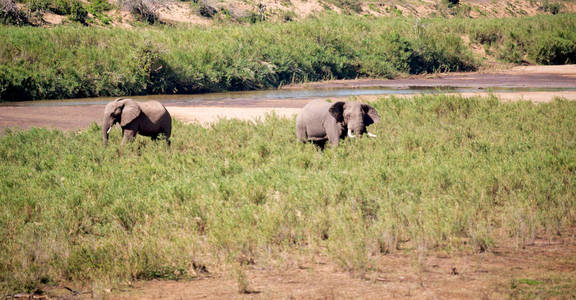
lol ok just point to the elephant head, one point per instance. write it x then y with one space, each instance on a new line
355 116
121 111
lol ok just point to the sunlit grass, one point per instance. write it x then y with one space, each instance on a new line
444 173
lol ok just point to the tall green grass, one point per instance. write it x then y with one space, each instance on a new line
75 61
445 173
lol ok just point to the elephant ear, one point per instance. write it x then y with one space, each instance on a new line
130 112
370 115
337 111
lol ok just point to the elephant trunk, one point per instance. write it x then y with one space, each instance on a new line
106 126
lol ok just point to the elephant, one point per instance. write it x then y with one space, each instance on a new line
322 121
145 118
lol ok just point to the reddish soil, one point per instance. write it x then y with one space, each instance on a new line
546 268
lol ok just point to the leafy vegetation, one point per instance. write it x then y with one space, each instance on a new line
10 14
144 10
446 173
543 42
74 61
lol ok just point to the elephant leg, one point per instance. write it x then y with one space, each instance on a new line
320 145
128 135
301 131
333 136
167 134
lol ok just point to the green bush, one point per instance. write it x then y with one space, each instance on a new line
97 9
554 51
553 8
77 12
38 5
143 10
73 61
10 14
62 7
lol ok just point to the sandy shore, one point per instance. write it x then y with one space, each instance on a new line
73 117
207 115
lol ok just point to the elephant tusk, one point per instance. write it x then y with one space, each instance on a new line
350 135
107 132
371 134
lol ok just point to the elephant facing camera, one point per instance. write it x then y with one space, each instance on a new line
320 121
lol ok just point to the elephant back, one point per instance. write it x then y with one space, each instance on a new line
154 110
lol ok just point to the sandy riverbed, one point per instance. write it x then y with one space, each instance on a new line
72 117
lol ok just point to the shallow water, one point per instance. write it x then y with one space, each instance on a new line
246 97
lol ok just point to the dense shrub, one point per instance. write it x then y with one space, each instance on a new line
38 5
97 9
76 62
10 14
553 8
205 9
143 10
547 40
77 12
553 50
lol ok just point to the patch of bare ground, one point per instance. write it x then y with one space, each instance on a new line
208 115
181 12
53 19
72 117
537 77
547 265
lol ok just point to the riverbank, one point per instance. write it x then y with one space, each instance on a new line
76 61
68 116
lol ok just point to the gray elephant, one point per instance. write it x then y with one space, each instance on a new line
145 118
321 121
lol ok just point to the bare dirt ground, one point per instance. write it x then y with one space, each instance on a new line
535 77
544 269
73 117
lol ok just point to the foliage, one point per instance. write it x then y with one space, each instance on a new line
73 61
206 10
77 12
555 50
10 14
445 172
553 8
550 40
452 3
97 9
144 10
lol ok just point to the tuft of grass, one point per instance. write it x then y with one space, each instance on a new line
445 173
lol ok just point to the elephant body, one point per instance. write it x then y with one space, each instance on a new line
145 118
321 121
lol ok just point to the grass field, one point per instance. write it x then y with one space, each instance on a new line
76 61
445 174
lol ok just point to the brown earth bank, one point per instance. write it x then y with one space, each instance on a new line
544 269
194 12
537 79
